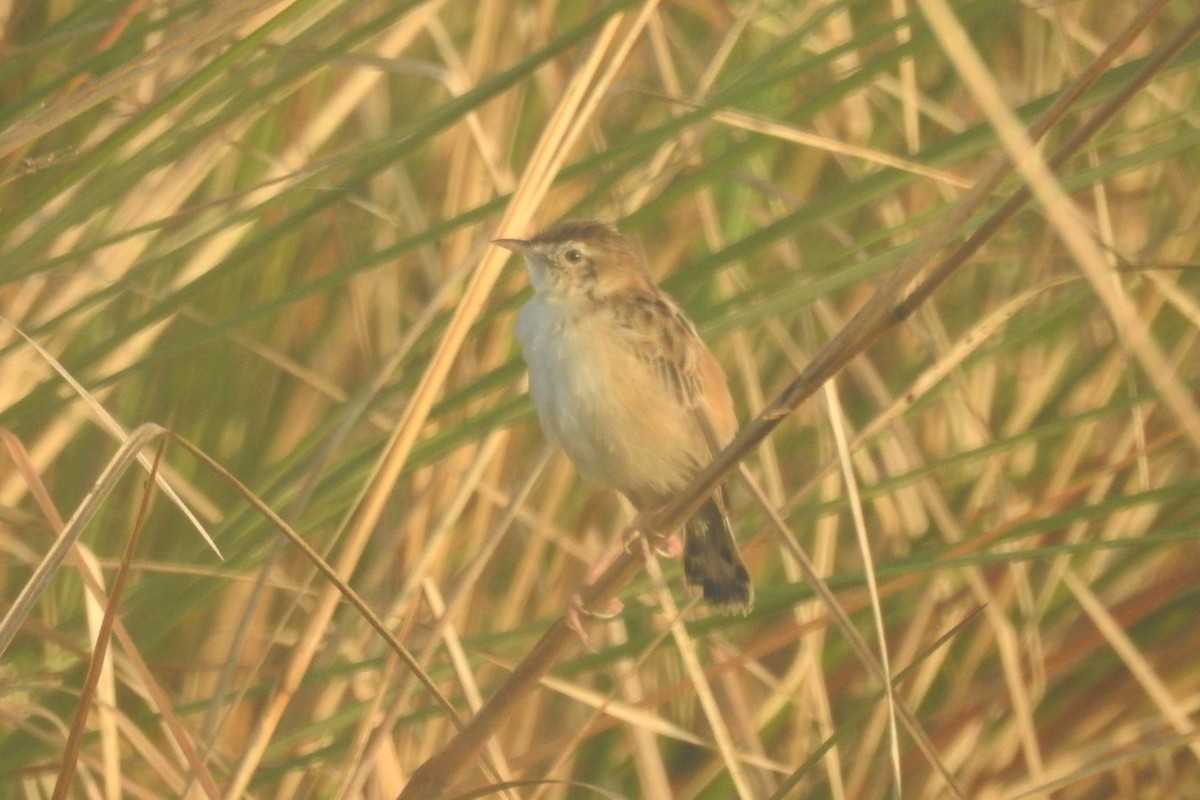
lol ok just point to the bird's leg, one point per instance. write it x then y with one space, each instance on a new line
614 606
666 545
577 609
669 546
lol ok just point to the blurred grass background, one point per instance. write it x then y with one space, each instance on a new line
264 226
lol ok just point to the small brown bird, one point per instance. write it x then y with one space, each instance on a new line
624 384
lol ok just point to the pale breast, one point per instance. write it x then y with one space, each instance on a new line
610 413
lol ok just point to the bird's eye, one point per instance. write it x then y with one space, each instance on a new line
573 256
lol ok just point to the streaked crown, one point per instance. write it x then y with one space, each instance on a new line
584 257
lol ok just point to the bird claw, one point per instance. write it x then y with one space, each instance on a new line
576 611
628 541
669 546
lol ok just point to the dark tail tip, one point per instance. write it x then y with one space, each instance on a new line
712 562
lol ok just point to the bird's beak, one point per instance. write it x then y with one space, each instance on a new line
516 245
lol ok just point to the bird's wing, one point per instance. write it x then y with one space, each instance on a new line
658 334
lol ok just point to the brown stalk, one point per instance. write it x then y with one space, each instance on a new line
70 757
891 304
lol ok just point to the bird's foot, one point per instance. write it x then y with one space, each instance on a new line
577 610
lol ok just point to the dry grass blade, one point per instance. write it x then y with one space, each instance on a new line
33 588
462 669
117 431
787 788
535 784
330 573
850 481
769 128
862 650
1173 708
1110 764
690 656
66 773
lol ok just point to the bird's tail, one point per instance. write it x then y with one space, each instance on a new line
712 561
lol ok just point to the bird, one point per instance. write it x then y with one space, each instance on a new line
624 384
